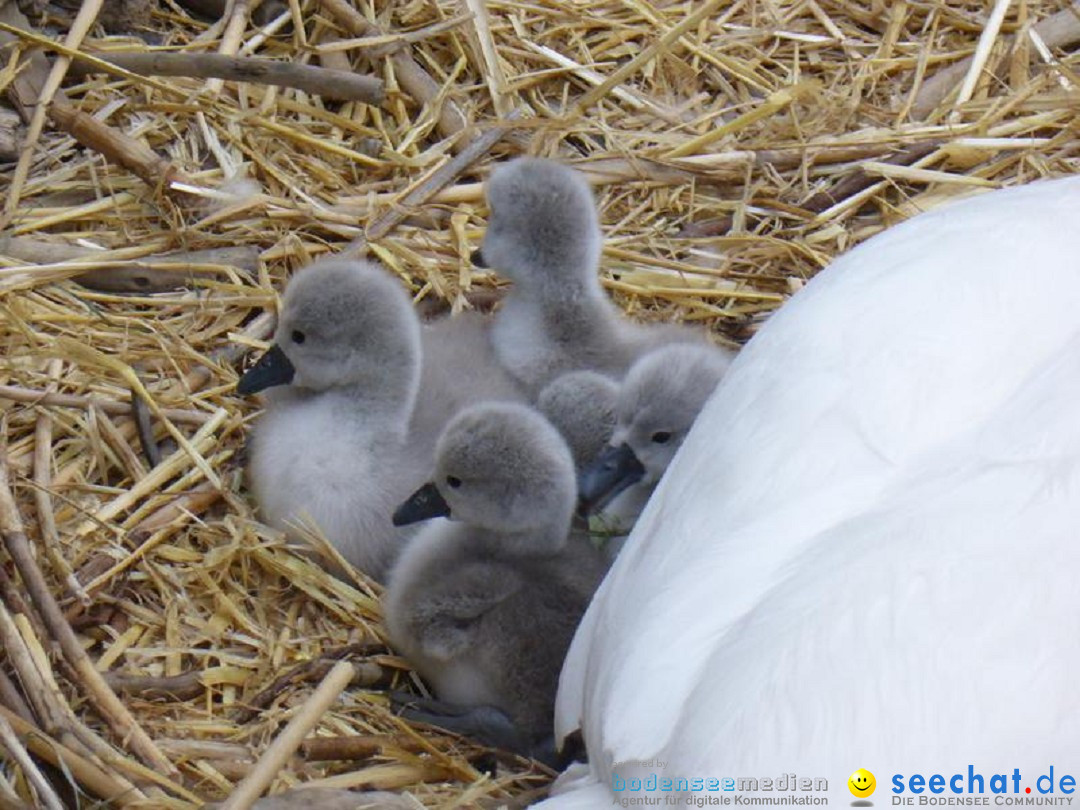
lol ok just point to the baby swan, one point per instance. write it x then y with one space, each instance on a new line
658 402
460 369
342 376
544 235
581 405
484 605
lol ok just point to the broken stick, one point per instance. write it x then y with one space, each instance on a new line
414 80
318 81
115 713
286 743
162 272
1057 31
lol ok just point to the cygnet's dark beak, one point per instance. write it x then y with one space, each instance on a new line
614 470
477 259
272 369
423 504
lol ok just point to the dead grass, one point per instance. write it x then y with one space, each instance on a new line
736 147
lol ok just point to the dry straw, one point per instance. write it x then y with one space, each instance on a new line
156 639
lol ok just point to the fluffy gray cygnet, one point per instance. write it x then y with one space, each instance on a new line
341 381
662 395
484 604
581 405
460 369
544 235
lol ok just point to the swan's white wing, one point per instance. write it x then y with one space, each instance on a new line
918 336
937 622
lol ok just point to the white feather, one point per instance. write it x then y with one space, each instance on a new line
865 551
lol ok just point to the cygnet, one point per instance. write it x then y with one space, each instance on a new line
484 605
658 402
460 369
581 405
544 235
342 379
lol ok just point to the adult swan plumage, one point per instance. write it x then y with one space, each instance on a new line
866 552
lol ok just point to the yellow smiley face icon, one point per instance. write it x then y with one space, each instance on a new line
861 783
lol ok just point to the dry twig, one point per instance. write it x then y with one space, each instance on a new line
290 738
87 773
10 742
29 91
155 273
439 179
319 81
367 674
360 746
175 687
43 498
80 26
1059 30
416 81
112 710
39 397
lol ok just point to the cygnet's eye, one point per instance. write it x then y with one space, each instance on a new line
453 482
661 437
298 337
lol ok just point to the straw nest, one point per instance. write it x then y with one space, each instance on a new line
736 148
